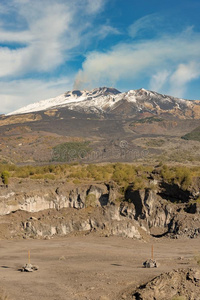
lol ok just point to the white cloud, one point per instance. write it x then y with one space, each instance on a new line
158 80
12 36
139 59
93 6
106 30
39 37
183 75
18 93
146 23
44 39
47 33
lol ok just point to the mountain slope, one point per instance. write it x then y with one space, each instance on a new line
193 135
136 125
110 100
76 96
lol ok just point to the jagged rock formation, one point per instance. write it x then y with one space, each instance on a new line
60 209
63 196
105 221
150 207
177 284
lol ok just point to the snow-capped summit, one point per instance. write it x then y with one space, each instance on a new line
70 97
106 99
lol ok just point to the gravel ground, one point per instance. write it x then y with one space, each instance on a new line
88 267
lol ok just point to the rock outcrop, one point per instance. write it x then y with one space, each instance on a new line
57 208
147 206
54 197
177 284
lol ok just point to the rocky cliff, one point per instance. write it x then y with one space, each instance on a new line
43 208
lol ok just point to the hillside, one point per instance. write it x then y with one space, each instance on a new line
89 223
110 100
193 135
135 125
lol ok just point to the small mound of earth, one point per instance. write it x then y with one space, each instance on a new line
181 284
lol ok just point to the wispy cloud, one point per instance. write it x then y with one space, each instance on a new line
35 39
140 59
105 30
45 38
182 76
48 33
93 6
148 23
18 93
158 80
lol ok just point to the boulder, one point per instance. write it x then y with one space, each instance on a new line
29 268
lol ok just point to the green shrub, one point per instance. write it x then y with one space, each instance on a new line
76 181
4 176
90 200
183 177
155 143
70 151
123 173
49 176
148 120
22 173
177 175
166 173
198 200
193 135
139 184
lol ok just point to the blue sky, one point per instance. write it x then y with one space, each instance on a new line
48 47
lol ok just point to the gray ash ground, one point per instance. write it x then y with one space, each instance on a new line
89 267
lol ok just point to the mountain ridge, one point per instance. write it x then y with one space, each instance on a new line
105 99
118 127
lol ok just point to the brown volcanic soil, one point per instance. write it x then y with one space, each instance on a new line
29 138
88 267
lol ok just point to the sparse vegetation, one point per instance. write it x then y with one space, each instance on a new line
90 200
155 143
4 176
198 200
193 135
148 120
140 177
177 175
70 151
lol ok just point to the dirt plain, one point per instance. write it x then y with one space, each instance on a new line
88 266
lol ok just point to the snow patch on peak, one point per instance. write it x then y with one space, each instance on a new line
38 106
71 97
130 96
103 99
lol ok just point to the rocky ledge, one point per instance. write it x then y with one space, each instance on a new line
44 209
178 284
